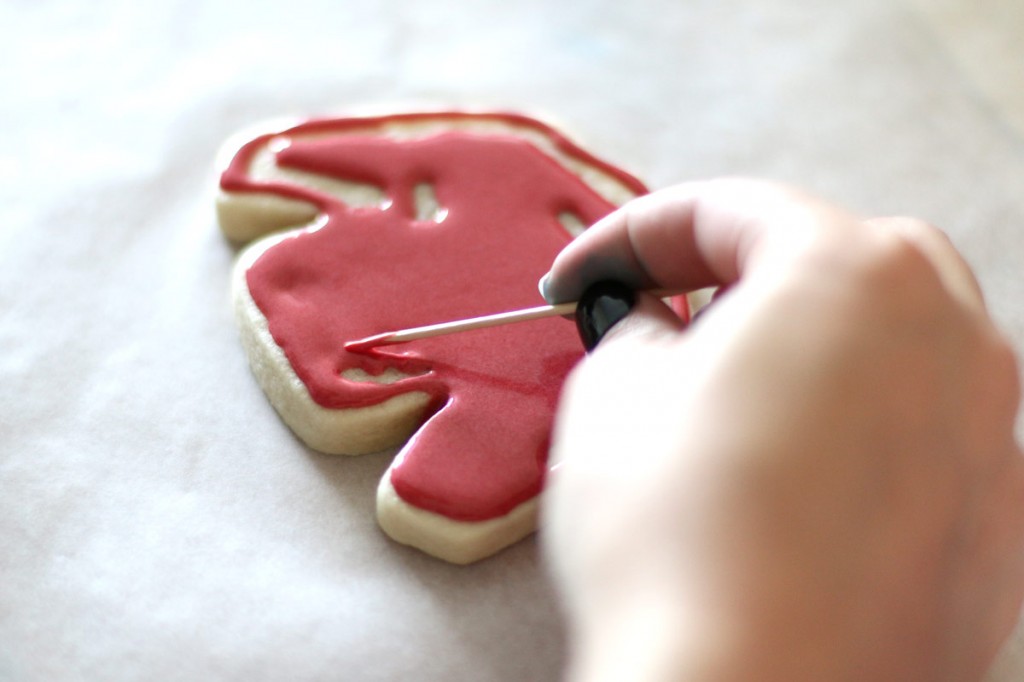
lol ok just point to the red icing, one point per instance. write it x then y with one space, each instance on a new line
365 345
482 451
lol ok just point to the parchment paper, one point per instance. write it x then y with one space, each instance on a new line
157 521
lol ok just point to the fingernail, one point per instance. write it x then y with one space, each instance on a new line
600 308
542 286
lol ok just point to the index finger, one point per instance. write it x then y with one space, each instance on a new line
691 236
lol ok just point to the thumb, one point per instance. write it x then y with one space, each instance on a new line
609 309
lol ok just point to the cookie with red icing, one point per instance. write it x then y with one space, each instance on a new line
363 225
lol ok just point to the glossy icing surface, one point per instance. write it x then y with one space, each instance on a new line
482 451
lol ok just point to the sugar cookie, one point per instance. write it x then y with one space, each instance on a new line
370 224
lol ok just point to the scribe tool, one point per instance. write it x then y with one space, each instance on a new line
484 321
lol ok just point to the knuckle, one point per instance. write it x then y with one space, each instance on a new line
919 233
901 267
938 249
896 279
912 227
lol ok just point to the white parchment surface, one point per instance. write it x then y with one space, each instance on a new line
157 521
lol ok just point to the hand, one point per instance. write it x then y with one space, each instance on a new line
817 480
